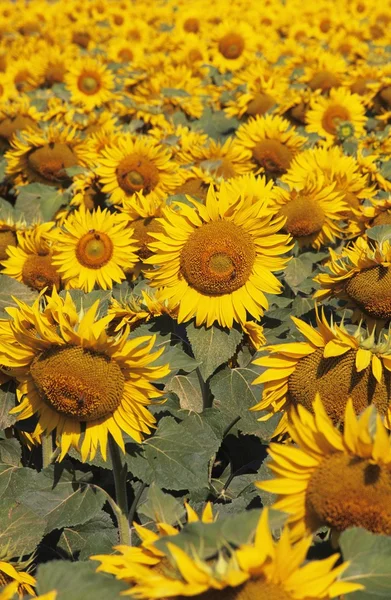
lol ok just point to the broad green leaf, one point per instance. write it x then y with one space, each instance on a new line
39 200
234 395
379 233
78 581
187 388
10 287
297 270
7 402
179 453
97 536
370 557
161 507
10 452
212 346
61 498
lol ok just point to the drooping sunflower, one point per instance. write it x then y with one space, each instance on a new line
314 212
272 141
13 574
333 166
261 570
137 165
135 310
30 261
324 71
90 82
77 378
296 372
93 248
361 275
16 116
333 479
216 261
43 155
328 116
8 233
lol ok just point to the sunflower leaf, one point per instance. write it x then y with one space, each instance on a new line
188 390
7 402
212 346
370 557
161 507
379 233
297 271
98 535
10 288
78 580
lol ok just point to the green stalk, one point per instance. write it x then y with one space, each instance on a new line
119 473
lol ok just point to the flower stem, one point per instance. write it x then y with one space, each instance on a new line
47 450
119 473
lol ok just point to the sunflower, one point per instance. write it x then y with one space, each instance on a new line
216 261
333 479
93 248
89 82
252 186
146 553
222 160
137 165
328 116
8 233
325 71
297 371
12 574
31 260
261 570
16 116
361 275
26 74
134 310
232 44
77 378
379 213
272 141
43 156
313 213
10 590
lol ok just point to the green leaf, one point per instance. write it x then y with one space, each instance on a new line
37 200
212 346
162 507
78 581
370 557
179 453
7 402
10 452
173 92
188 390
235 394
96 536
379 233
300 306
10 287
297 270
61 498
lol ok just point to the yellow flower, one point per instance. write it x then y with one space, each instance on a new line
43 156
135 310
262 570
137 165
74 376
327 115
313 212
20 582
360 274
89 82
8 234
93 248
16 116
297 371
273 143
31 260
332 478
232 44
216 261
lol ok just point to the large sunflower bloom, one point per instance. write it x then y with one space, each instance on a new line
137 165
313 212
327 115
273 142
216 261
74 376
93 248
31 260
297 371
336 479
361 275
261 570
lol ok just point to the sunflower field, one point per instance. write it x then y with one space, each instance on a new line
195 299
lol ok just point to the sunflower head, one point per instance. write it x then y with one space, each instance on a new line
80 380
345 478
